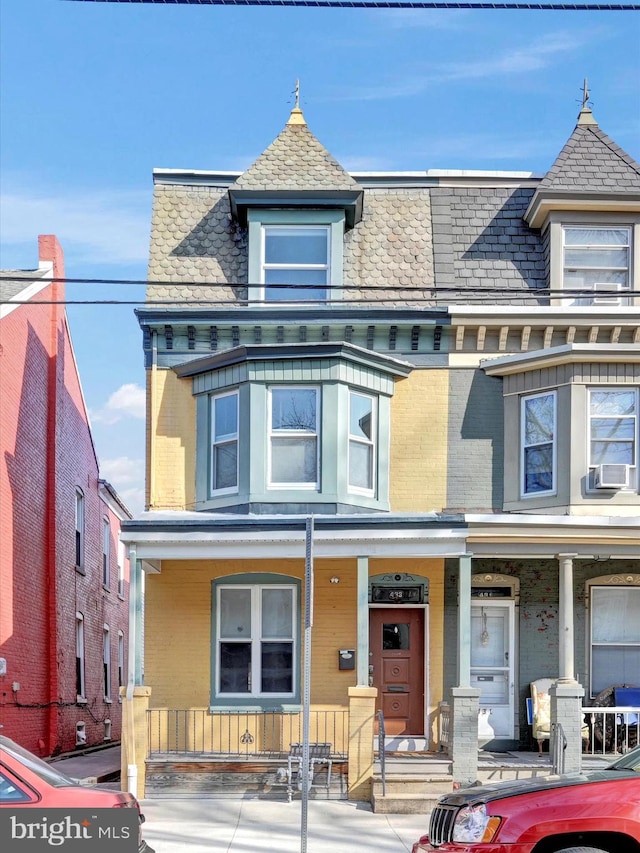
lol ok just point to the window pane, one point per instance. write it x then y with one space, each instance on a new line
613 452
225 417
538 469
596 236
294 409
395 636
599 258
235 612
295 246
615 616
360 416
614 665
294 460
277 667
225 465
235 667
277 613
613 428
539 417
360 465
613 402
297 276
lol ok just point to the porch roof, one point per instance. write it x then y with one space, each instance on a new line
192 535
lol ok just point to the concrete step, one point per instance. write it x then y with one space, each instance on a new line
404 804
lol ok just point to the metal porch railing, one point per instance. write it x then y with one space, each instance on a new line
241 734
612 730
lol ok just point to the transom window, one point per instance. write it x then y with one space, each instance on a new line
538 458
615 636
224 450
256 644
362 442
596 259
296 262
293 437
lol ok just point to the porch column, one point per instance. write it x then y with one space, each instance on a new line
567 694
135 697
362 623
466 700
362 715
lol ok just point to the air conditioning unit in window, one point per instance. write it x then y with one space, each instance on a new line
603 289
611 476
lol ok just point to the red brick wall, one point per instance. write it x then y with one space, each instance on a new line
46 454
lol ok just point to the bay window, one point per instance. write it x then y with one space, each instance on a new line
362 442
293 437
538 445
224 443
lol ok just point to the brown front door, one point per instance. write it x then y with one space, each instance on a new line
396 646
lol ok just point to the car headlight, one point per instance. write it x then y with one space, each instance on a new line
474 824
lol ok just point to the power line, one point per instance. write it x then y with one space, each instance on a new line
392 4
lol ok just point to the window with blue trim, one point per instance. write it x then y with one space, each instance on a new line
256 643
224 443
296 262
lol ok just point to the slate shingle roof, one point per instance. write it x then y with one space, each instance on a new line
296 160
592 162
12 287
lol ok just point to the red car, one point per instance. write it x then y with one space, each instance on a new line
592 812
27 781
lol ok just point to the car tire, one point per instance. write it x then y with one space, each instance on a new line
582 850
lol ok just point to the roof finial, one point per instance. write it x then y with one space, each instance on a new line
586 116
296 116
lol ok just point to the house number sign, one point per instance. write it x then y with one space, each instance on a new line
396 595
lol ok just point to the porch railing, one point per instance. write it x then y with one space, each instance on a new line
611 730
382 751
241 734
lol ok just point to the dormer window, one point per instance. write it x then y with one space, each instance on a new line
596 264
296 262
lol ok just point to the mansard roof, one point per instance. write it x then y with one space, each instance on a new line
591 167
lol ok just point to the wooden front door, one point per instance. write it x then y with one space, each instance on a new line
396 665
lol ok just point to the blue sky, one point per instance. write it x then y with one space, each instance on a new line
94 96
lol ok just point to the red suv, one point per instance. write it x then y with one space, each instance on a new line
593 812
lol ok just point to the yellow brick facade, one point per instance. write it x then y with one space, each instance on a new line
171 441
418 452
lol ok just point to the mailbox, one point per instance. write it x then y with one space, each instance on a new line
346 659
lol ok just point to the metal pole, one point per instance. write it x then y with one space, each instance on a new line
306 698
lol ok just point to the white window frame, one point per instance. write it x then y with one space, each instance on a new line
371 443
594 588
619 295
106 662
79 530
121 561
80 659
121 670
633 466
297 295
232 438
291 433
106 552
524 494
255 640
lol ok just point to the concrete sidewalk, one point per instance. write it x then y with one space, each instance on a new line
95 765
267 826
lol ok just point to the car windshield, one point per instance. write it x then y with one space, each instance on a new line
630 761
36 765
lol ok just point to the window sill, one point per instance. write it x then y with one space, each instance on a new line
107 700
80 700
105 588
80 570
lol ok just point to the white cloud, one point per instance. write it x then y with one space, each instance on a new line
129 401
509 62
105 227
126 475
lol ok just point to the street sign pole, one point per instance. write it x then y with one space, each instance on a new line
306 698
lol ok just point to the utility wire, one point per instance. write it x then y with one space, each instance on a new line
392 4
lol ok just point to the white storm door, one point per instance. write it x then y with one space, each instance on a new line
492 666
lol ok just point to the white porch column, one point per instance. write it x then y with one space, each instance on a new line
566 694
362 623
465 699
